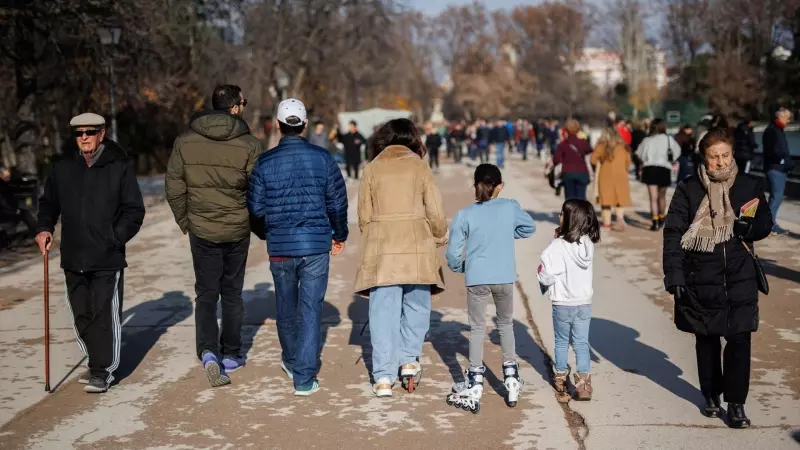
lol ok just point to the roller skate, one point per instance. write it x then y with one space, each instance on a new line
410 375
512 381
467 394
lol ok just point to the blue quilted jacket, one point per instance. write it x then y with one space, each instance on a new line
298 189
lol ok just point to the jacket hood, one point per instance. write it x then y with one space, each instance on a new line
219 126
581 252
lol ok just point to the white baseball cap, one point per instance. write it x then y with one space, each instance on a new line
292 107
87 120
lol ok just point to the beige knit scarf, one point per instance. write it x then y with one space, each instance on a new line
713 221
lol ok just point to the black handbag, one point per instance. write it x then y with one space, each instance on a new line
761 277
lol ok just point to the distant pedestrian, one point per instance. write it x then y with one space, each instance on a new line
481 246
402 222
299 191
482 140
571 153
94 192
499 136
687 161
565 274
458 138
525 134
777 161
354 144
638 135
744 145
623 131
319 136
710 271
540 129
658 155
614 191
206 185
433 141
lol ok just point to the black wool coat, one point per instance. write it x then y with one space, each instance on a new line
721 291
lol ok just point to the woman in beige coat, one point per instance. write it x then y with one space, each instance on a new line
613 185
402 221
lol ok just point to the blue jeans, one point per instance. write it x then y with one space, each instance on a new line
523 148
777 185
399 318
500 149
575 185
571 326
300 285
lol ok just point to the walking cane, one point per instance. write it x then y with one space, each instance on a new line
46 321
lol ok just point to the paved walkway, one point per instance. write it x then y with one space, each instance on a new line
644 371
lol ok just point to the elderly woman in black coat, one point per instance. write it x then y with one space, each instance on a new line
711 274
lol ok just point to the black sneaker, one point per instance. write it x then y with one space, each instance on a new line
85 377
736 416
96 385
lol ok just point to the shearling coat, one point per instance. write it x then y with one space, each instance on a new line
612 181
402 222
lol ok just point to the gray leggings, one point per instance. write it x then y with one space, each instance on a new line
477 299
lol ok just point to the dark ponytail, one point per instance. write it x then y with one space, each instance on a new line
487 178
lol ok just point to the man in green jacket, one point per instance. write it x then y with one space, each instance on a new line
206 183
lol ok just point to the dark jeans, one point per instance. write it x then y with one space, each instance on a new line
95 301
219 273
483 152
523 147
352 165
686 167
300 285
731 379
575 185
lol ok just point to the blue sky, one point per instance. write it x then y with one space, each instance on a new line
436 6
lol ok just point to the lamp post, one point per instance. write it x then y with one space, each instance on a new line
110 36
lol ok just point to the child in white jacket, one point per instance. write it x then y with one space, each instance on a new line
566 276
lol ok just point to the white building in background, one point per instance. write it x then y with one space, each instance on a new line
605 67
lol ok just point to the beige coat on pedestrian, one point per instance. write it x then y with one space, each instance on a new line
402 222
612 181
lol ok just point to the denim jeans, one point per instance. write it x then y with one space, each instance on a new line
300 285
523 148
777 185
500 149
571 326
399 318
575 185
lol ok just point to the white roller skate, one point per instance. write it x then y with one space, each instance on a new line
512 381
467 394
410 375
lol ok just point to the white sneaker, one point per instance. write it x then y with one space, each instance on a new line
286 370
382 387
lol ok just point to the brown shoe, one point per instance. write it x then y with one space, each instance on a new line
560 382
583 386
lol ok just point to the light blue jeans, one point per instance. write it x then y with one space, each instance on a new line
571 326
399 318
777 186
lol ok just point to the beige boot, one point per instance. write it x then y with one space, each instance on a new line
583 386
560 381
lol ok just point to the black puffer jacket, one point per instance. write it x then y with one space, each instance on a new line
721 288
101 208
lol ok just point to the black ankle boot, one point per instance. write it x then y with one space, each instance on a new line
661 223
736 416
712 406
654 227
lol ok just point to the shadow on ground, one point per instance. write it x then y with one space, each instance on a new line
619 345
773 269
550 217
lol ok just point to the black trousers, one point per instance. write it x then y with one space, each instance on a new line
352 165
728 375
433 157
219 273
95 301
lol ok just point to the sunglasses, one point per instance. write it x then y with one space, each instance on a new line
244 102
80 133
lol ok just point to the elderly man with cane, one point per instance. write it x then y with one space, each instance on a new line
95 193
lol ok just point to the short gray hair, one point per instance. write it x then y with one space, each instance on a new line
781 111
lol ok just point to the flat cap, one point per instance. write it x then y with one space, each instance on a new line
87 120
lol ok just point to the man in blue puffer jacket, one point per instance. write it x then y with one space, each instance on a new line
298 190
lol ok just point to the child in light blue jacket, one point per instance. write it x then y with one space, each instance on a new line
481 246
